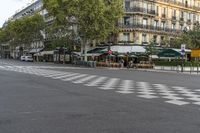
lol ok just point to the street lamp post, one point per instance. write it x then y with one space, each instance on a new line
182 56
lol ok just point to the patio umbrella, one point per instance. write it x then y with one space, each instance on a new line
133 56
121 55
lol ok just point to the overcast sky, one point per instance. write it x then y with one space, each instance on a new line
9 7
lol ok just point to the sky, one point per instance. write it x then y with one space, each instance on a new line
9 7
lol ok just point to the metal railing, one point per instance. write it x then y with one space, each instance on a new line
190 69
173 18
140 10
181 19
186 5
147 27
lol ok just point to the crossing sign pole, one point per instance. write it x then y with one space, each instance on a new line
182 55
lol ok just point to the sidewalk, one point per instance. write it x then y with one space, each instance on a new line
156 69
160 69
169 71
174 70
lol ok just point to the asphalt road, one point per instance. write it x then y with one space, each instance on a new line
44 98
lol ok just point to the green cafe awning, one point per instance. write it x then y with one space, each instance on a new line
169 53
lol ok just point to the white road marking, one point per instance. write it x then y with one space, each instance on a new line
146 91
177 102
65 76
74 77
188 93
126 87
166 93
83 80
96 82
56 74
196 103
110 84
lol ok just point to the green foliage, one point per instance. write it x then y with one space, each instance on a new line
95 18
190 38
23 31
151 49
175 63
56 43
4 36
168 63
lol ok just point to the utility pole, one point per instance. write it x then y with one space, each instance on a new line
182 56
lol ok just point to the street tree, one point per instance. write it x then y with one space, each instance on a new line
151 49
95 19
195 36
191 38
22 32
4 35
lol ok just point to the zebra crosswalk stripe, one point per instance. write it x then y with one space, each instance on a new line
126 87
110 84
55 75
74 77
96 82
85 79
65 76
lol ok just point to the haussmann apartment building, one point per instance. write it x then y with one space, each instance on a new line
156 20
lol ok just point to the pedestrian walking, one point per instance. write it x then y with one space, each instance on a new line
130 64
122 63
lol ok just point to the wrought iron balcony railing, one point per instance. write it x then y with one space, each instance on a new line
189 21
173 18
181 4
140 10
163 15
181 19
147 27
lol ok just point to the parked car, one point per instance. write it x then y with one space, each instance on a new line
29 58
22 58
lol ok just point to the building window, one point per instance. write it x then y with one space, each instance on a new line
182 16
155 38
197 18
126 37
185 15
157 10
181 27
163 25
144 38
126 20
145 6
155 24
144 22
174 14
127 4
194 17
189 16
163 12
186 3
173 26
162 40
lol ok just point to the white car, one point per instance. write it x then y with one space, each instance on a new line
29 58
22 58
